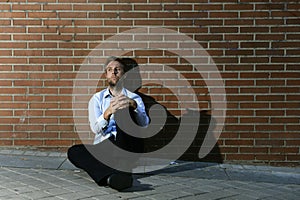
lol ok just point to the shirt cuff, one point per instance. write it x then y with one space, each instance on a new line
101 124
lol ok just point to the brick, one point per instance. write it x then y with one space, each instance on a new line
147 8
72 15
5 37
28 142
13 60
254 75
269 6
27 53
71 60
269 82
284 90
27 22
251 120
55 22
24 68
5 52
42 30
269 21
58 83
236 22
163 15
5 7
178 7
285 59
58 53
43 91
270 98
27 83
59 37
6 128
269 52
223 14
270 157
59 128
240 128
58 113
12 15
240 156
269 112
102 15
254 150
90 22
43 60
27 37
285 105
271 143
42 45
72 30
223 29
27 127
6 142
41 1
42 14
254 44
239 82
270 67
13 45
269 36
227 45
269 127
284 120
257 14
238 52
238 7
45 135
55 7
254 105
202 22
186 22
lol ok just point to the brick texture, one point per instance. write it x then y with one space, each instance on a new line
255 45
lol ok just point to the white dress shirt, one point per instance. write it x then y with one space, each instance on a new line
102 128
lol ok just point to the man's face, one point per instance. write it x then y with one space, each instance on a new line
114 71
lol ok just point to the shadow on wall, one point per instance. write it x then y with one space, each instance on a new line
170 128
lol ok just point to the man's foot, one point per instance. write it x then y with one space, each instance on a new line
120 181
103 181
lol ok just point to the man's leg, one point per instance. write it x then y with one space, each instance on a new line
82 158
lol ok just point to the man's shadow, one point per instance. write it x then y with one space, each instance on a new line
170 128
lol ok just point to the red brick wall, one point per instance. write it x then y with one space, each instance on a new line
255 45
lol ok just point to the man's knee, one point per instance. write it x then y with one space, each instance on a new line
74 151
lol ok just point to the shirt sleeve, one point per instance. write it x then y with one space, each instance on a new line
96 119
140 112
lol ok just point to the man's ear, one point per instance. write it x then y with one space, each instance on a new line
105 73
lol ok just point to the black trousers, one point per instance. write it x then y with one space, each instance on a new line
82 156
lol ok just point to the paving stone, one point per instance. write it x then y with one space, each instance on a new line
185 180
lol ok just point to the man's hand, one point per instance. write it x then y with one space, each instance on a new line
125 102
117 103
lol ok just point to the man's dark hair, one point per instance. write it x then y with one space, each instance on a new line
113 58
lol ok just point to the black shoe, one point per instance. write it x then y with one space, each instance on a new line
120 181
102 182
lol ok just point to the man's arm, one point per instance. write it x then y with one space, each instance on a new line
136 105
96 117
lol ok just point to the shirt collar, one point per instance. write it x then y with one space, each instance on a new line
107 93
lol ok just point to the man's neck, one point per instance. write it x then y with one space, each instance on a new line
114 91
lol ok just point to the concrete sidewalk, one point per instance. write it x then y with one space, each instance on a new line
30 174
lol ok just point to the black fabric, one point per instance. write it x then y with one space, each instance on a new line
82 156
